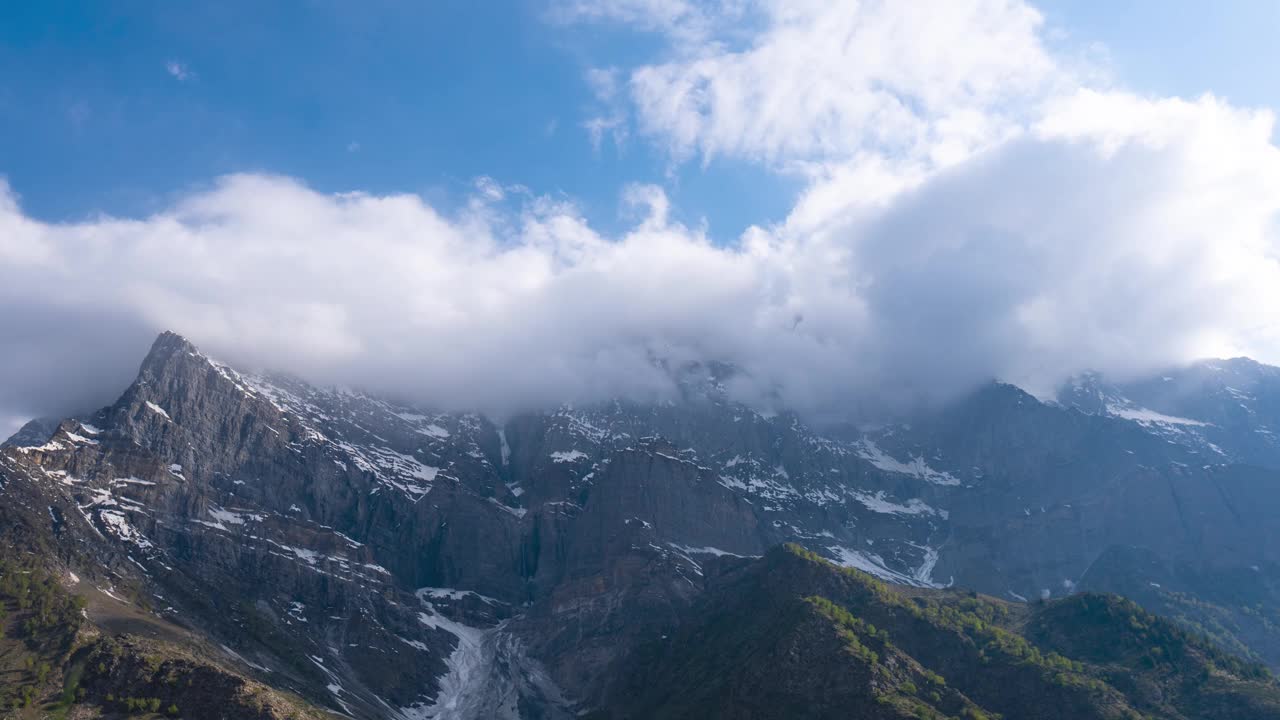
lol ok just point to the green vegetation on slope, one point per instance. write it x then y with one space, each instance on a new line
39 622
795 636
53 661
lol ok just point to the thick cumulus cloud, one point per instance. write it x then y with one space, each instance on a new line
1077 247
1007 221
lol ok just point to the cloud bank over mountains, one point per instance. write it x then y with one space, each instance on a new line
976 207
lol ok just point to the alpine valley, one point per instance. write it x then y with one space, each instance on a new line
226 544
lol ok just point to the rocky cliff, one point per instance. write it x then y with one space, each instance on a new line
393 561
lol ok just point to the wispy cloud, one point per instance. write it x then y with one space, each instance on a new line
818 83
78 114
10 424
178 70
610 114
612 126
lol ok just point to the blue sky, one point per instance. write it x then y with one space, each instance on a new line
425 97
1182 47
860 204
378 96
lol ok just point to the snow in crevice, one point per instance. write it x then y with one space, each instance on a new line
752 477
579 425
51 446
488 674
229 374
435 593
915 467
877 503
158 410
874 564
423 425
517 511
1143 416
334 687
706 550
117 524
221 516
503 447
435 431
110 511
924 573
326 416
403 472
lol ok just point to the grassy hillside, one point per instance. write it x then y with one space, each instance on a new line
55 663
792 635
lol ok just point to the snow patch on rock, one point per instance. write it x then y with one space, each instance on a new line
915 466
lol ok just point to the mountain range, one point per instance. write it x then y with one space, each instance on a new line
225 543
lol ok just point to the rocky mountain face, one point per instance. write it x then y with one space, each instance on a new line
385 561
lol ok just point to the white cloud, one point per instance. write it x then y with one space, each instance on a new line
179 71
821 82
1082 247
972 211
1116 247
968 177
373 291
863 99
610 117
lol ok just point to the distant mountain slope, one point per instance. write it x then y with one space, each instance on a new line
34 432
1229 410
792 635
1055 497
390 561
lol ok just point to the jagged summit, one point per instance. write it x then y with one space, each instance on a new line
169 339
168 349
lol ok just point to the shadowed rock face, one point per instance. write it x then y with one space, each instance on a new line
388 561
